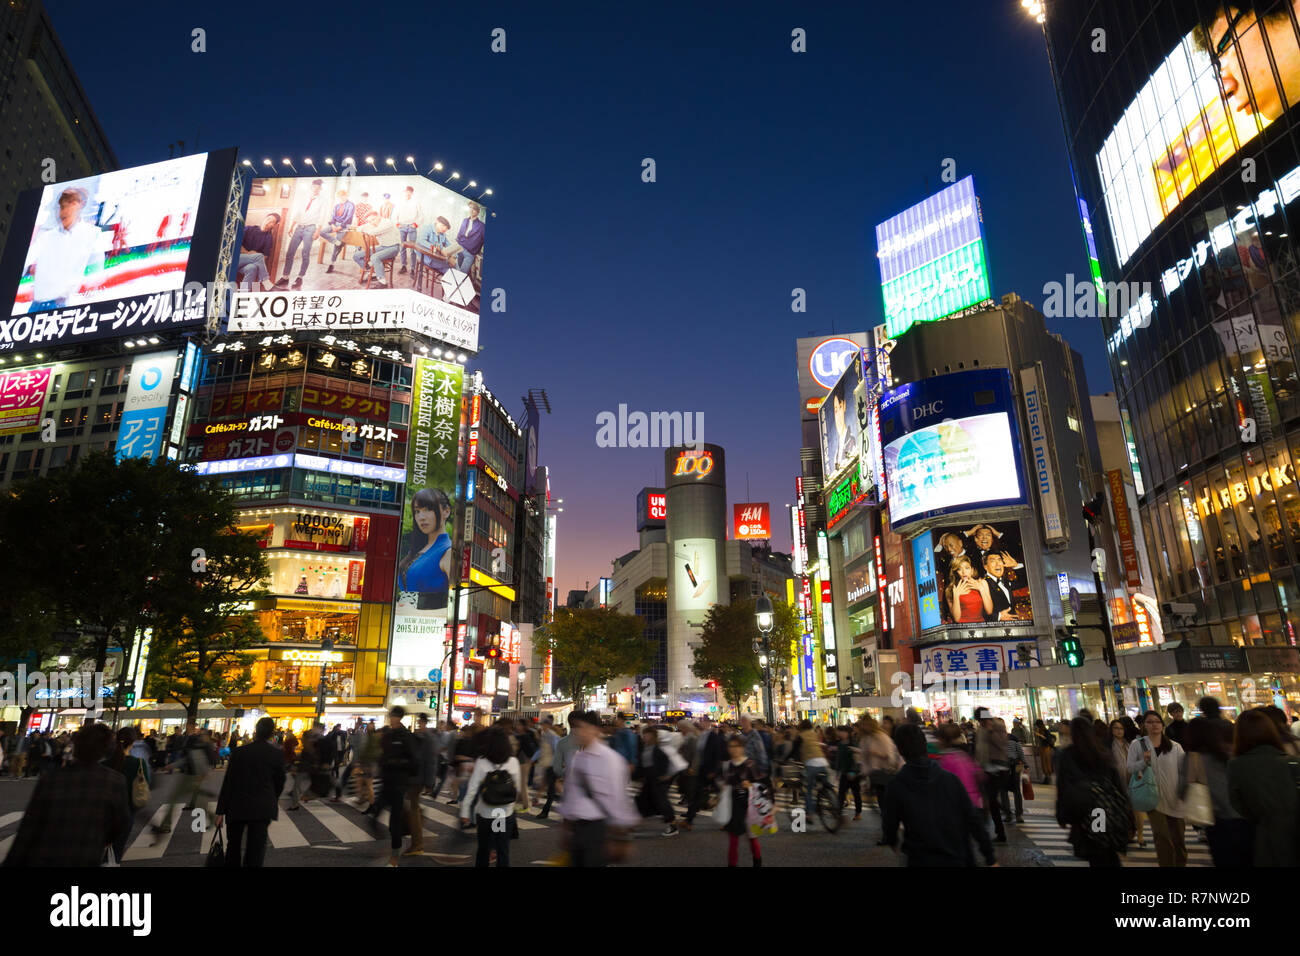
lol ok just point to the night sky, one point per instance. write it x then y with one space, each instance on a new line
773 169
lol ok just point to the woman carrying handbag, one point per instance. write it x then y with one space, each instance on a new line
1156 765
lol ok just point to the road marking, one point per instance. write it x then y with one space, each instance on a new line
338 824
141 848
281 833
9 818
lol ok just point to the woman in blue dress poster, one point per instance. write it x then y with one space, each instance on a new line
426 568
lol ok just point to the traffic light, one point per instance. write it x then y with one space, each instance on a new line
713 684
1093 510
1024 653
493 653
1071 650
129 700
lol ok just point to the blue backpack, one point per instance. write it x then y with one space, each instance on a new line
1142 790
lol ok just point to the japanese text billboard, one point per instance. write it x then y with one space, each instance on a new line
950 444
975 574
22 399
424 564
111 254
343 253
931 258
140 433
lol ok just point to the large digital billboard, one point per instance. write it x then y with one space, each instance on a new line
950 444
931 258
1180 128
972 575
112 254
344 253
425 563
837 421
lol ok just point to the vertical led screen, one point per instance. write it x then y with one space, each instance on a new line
932 258
425 562
361 252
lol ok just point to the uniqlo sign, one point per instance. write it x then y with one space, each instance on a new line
751 520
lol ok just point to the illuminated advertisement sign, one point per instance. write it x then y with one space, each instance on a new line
140 432
1179 129
821 360
303 226
867 414
691 463
837 422
1042 461
695 573
927 582
424 565
111 254
830 658
989 657
931 258
950 444
751 520
651 508
22 400
1124 527
976 573
842 498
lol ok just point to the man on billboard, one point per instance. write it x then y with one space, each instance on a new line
257 244
61 254
408 222
951 546
387 242
1238 40
434 237
470 238
340 220
999 587
305 224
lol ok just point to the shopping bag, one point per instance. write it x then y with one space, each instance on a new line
1199 805
1142 790
217 853
1026 787
760 815
722 812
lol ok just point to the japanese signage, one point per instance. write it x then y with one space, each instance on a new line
932 258
991 657
1124 527
140 433
425 562
22 400
844 496
341 403
1042 459
244 404
109 255
751 520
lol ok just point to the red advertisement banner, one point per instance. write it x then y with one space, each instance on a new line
1124 527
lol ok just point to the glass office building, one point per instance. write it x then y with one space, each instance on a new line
1184 135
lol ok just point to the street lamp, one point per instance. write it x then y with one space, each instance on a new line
519 691
326 645
763 611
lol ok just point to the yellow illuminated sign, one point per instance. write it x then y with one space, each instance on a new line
496 587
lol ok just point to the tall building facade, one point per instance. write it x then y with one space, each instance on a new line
1180 123
48 131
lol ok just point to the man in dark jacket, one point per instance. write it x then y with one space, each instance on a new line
250 795
399 763
653 769
938 818
710 753
77 811
1176 729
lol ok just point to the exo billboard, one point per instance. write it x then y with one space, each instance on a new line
931 258
344 253
951 444
113 254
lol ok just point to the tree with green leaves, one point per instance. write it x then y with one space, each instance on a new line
726 651
592 645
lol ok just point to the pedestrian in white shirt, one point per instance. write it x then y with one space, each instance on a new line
494 786
60 255
1166 756
595 794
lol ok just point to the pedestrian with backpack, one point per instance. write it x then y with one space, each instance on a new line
1091 799
1156 765
398 763
494 785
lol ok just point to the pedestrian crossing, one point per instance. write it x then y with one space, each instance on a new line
1041 828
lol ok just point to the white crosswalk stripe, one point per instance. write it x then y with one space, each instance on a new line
149 845
337 823
1041 827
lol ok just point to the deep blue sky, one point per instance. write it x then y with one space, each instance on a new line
773 168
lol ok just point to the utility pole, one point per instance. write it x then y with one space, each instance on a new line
1092 514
